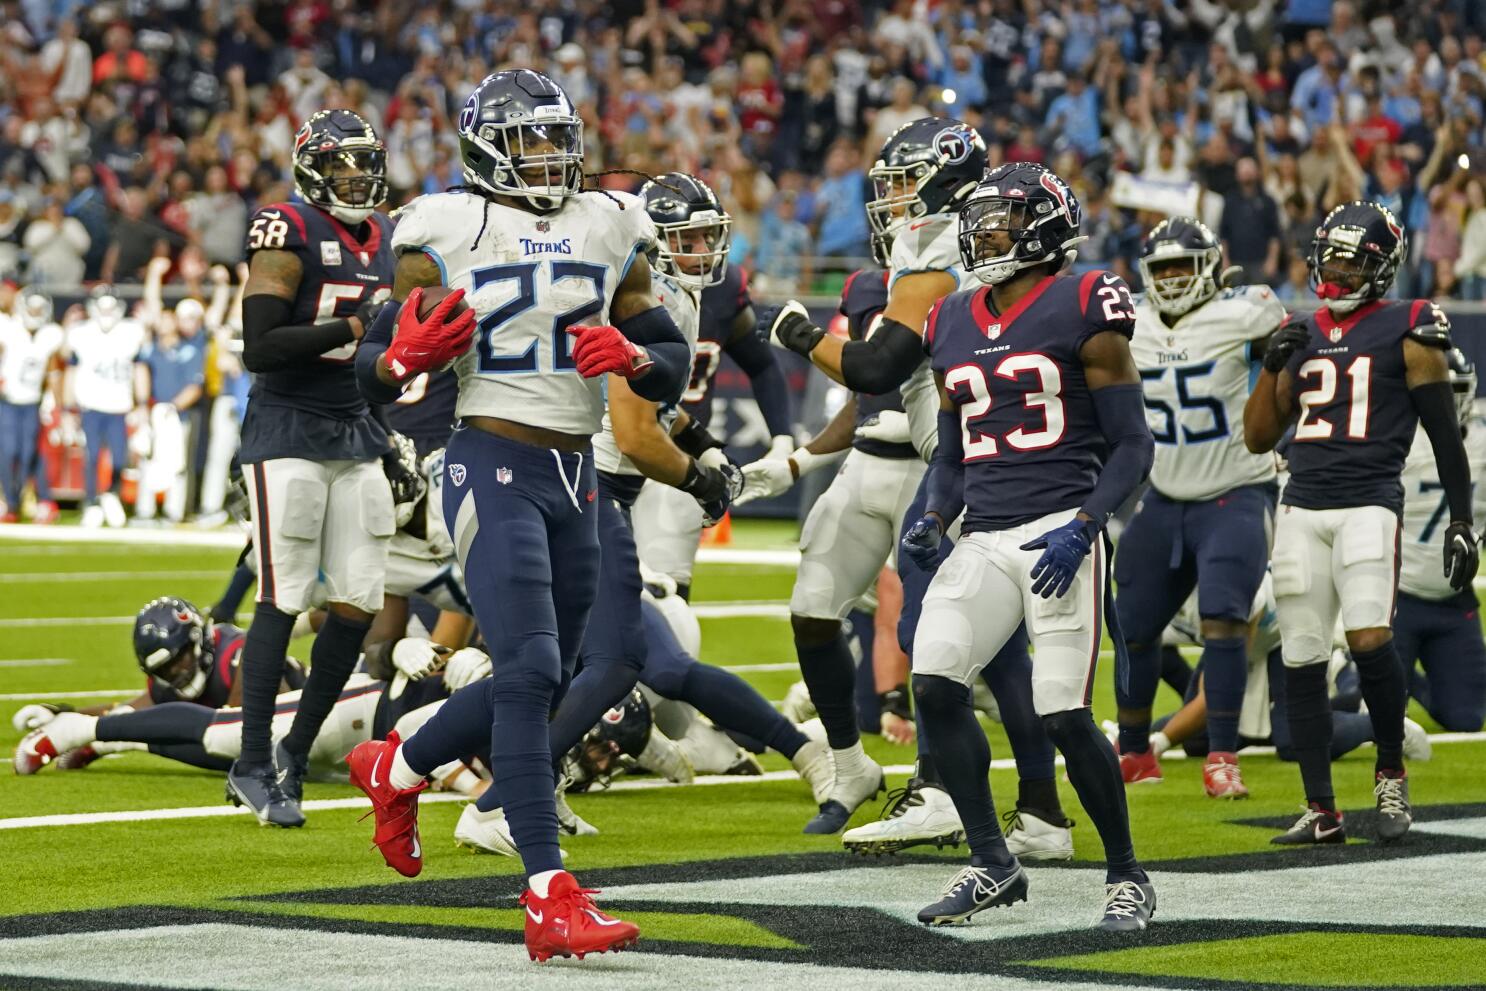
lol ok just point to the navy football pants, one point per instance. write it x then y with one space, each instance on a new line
1445 638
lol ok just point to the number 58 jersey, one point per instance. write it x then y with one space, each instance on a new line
1196 376
529 277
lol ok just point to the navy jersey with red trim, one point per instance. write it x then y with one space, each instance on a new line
721 305
863 299
225 644
1032 441
1355 419
425 411
330 419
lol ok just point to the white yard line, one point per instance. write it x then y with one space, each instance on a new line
36 662
24 578
27 622
761 668
102 693
736 610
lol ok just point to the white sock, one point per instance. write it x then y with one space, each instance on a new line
1160 743
851 761
538 882
403 776
117 746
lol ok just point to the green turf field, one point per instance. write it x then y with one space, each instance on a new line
171 892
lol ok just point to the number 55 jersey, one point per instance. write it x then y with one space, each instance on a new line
1196 376
1031 438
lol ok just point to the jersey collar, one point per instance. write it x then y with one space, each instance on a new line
364 250
1328 322
986 317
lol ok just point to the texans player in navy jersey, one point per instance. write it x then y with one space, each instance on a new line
1042 436
320 502
1356 378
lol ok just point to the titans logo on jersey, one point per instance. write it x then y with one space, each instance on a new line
863 299
1355 419
1031 439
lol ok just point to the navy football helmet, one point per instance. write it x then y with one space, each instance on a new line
1179 265
520 135
611 746
170 643
36 309
340 165
695 231
1033 208
928 166
1355 255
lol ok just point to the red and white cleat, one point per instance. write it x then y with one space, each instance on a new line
1222 778
568 924
46 512
396 809
77 759
1140 769
34 752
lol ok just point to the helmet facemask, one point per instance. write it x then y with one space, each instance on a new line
1345 276
895 196
695 251
36 311
347 181
106 310
983 218
1178 280
540 161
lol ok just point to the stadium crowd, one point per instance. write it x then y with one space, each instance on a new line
131 133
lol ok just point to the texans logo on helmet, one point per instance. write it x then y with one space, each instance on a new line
614 716
952 145
1051 183
302 136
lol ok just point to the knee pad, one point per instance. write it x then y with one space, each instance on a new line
1064 726
934 693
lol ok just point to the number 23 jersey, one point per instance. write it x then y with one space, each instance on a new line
1031 438
529 277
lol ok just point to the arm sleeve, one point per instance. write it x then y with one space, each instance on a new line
269 345
1436 405
1120 410
882 362
756 358
946 485
656 332
373 344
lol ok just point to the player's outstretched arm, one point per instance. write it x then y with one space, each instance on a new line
1266 415
772 475
377 382
270 341
1427 372
647 325
753 354
1119 406
639 437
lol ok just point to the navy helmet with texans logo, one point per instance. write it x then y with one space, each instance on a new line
928 166
1355 255
1179 265
614 743
520 136
170 645
340 165
695 232
1033 208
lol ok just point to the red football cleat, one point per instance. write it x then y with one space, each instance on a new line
1140 769
396 809
34 752
1221 777
76 760
567 923
46 512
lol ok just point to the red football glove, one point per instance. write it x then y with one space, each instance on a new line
426 345
603 349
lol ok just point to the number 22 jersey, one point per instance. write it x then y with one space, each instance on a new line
1031 438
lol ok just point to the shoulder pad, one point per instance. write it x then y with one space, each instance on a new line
1106 302
277 227
1429 325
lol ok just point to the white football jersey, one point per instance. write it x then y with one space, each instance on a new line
104 363
929 244
529 277
1197 376
1186 628
684 306
1426 514
24 359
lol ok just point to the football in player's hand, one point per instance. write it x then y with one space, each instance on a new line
432 296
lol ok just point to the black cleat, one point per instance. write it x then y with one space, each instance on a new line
1128 906
291 772
973 890
1316 825
1395 815
257 787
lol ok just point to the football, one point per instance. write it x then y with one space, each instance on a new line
431 298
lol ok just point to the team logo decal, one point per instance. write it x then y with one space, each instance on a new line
330 253
467 113
1052 185
952 145
503 476
614 717
456 474
301 136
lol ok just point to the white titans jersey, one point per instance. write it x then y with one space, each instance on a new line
529 277
24 359
1426 514
104 362
928 244
1196 377
684 306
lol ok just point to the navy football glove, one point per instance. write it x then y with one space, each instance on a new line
921 542
1063 551
1462 557
1291 337
790 327
715 488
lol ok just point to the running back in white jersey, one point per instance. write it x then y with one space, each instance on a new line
104 362
1426 515
24 359
529 277
684 306
929 244
1196 376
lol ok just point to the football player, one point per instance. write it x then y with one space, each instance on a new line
696 236
1207 517
551 275
106 379
1042 436
320 502
30 363
1435 624
1356 378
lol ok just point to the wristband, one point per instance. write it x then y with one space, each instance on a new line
895 700
805 462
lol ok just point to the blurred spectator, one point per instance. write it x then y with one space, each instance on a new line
136 238
900 111
68 63
1470 266
1250 230
842 209
12 229
218 218
56 244
784 244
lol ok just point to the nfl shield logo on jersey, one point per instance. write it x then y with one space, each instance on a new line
543 226
503 476
993 331
456 474
330 253
1335 334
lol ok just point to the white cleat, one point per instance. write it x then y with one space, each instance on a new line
813 763
113 510
66 731
797 705
1416 745
849 791
569 821
916 815
984 701
1031 837
93 517
663 757
487 832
